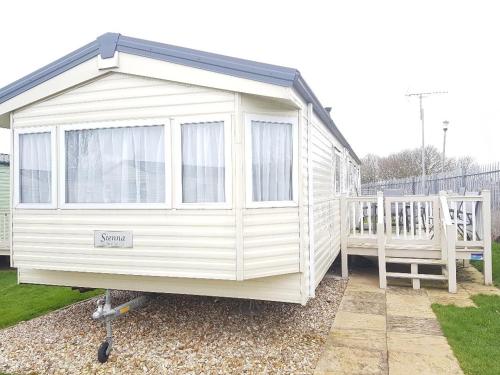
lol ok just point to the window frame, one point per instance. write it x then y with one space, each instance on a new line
115 124
177 122
53 164
250 203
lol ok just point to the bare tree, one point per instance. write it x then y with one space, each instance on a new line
407 163
370 168
466 164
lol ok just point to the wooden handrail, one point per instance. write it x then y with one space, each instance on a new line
445 209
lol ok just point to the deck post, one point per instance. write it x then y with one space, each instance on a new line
414 270
488 278
343 237
381 241
452 258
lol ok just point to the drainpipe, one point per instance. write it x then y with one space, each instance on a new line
310 210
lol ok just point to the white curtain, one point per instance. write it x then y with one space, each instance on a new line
337 173
35 169
203 167
115 165
272 158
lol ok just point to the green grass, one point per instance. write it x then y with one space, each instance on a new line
26 301
474 333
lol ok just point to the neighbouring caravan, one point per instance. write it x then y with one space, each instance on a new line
145 166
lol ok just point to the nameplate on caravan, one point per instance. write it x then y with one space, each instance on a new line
106 238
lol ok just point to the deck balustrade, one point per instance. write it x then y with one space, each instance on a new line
417 230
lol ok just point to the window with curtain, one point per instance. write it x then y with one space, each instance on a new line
35 168
203 163
337 173
115 165
272 161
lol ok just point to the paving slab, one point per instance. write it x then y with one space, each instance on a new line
349 320
418 343
443 297
401 363
345 360
358 304
358 338
418 306
406 324
364 288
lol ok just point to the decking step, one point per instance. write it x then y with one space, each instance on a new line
402 275
414 261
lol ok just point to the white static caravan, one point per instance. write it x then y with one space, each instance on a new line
149 167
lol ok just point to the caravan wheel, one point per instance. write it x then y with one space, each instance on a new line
102 352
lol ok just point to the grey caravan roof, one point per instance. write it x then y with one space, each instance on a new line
108 43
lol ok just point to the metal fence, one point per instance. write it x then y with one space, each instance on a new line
481 177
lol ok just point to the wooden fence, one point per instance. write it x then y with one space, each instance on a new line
481 177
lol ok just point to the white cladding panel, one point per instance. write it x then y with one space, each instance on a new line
284 288
173 243
271 242
124 97
326 240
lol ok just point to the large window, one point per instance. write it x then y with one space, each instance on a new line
34 174
203 162
109 165
271 161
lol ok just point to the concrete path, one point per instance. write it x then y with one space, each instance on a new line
393 331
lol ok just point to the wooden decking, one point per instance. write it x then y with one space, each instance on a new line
418 230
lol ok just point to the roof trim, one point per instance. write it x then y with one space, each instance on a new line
107 44
49 71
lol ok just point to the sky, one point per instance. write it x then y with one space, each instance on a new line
359 57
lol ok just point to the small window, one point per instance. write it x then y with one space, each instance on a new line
34 171
271 161
203 162
118 166
337 172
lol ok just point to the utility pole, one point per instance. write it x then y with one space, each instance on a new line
446 123
422 95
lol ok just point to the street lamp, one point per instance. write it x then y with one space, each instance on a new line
446 124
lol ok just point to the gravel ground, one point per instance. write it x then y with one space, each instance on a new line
175 334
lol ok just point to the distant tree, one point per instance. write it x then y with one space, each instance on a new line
466 164
370 168
408 163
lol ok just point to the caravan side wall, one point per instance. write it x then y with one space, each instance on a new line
205 251
326 205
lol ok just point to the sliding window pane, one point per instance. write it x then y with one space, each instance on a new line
115 165
272 161
35 168
203 164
